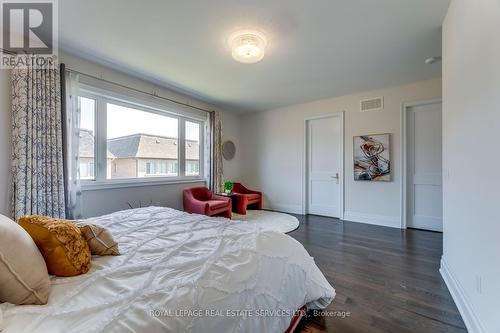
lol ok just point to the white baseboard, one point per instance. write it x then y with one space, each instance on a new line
382 220
461 300
285 208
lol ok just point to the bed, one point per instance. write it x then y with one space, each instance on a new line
181 272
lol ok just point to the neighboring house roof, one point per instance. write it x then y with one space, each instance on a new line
150 146
86 144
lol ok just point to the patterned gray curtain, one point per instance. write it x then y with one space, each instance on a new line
37 143
214 136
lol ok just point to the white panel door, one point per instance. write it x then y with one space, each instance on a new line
425 191
324 166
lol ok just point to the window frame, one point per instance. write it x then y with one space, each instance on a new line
102 98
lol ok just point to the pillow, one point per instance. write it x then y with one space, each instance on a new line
23 273
65 251
99 239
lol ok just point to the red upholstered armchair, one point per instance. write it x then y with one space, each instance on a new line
244 197
199 200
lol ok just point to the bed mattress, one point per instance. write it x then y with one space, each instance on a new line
181 272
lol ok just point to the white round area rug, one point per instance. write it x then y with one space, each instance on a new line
268 220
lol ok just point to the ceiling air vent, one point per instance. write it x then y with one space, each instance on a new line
372 104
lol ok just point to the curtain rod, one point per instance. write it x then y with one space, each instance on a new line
139 91
2 50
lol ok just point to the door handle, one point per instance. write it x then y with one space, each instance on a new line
337 177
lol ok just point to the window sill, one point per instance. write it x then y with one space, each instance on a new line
124 183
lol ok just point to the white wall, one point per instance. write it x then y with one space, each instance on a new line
231 130
471 126
105 201
5 142
273 144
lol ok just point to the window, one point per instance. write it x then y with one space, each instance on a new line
123 140
136 136
87 170
171 167
86 144
149 168
192 149
192 168
167 168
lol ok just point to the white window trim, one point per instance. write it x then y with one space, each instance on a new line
138 182
102 97
106 89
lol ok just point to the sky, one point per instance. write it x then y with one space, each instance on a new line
126 121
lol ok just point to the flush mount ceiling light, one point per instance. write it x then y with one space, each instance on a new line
247 46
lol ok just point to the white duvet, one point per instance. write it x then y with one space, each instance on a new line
180 272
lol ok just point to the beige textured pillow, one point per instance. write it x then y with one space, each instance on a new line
23 274
100 240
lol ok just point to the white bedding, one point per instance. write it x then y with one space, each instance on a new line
180 272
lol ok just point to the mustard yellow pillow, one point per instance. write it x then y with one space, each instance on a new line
63 248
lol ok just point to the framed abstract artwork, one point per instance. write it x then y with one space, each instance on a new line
372 159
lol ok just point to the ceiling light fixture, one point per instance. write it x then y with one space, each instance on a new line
247 46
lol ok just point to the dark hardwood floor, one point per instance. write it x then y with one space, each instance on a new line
386 279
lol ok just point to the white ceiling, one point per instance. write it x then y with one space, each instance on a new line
317 48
